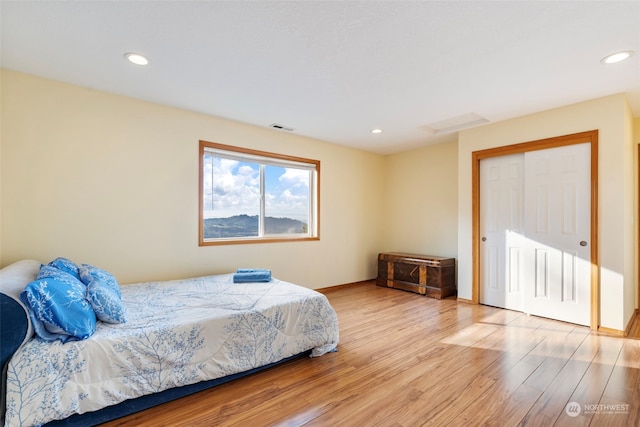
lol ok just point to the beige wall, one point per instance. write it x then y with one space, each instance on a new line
611 116
113 181
422 201
630 215
636 207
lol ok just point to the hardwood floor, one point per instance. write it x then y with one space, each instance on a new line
408 360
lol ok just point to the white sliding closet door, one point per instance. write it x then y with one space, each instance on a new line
502 231
535 230
558 230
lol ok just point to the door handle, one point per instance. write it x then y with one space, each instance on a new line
484 239
583 243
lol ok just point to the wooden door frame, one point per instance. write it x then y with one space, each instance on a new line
560 141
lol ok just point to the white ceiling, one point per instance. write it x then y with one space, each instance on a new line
334 70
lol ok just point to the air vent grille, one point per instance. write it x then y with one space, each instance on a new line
280 127
455 124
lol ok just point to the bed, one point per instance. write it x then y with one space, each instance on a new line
178 337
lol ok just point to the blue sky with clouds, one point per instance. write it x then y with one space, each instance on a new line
232 188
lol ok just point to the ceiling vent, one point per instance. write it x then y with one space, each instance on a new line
455 124
280 127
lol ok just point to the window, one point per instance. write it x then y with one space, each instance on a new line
249 196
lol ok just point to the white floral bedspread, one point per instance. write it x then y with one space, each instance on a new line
177 333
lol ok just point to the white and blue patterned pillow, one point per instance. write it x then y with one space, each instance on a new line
66 265
106 302
58 307
88 273
49 271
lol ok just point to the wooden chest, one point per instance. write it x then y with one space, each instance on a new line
427 275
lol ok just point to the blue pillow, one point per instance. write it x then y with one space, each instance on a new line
106 302
66 265
88 273
59 310
55 273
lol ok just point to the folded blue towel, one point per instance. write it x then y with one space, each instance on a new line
244 275
253 270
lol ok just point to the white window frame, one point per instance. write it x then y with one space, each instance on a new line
262 158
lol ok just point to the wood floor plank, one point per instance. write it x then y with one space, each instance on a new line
514 409
408 360
620 402
590 389
558 392
493 401
556 352
507 373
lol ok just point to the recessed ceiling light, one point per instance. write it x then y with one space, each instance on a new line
617 57
136 58
376 130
